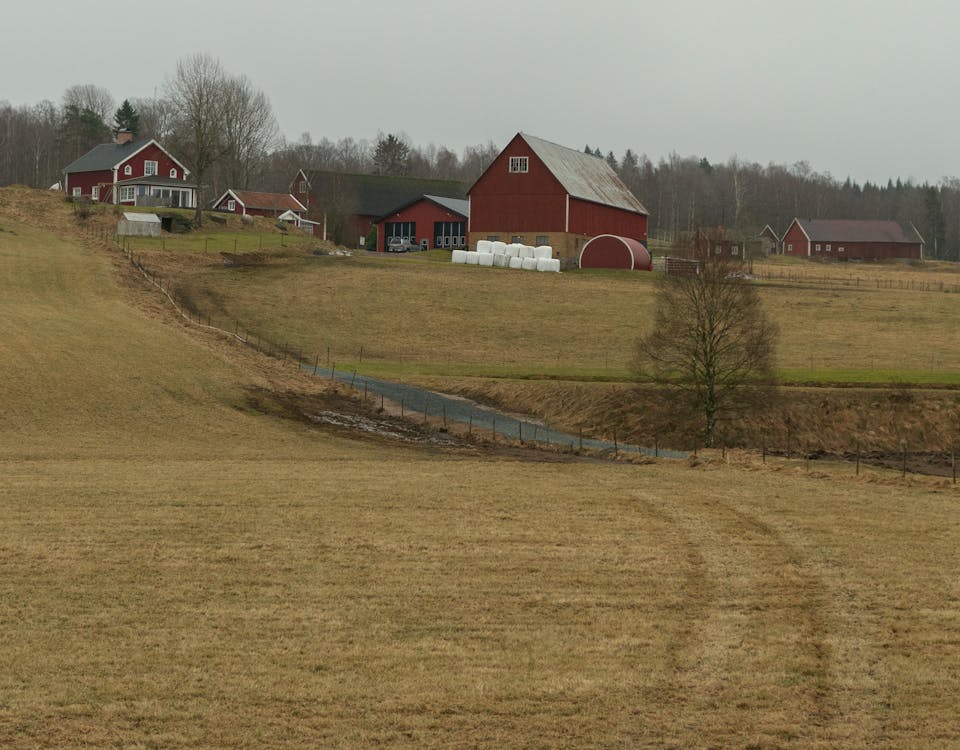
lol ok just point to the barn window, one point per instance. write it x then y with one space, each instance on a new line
77 192
717 250
95 193
128 170
149 168
173 173
493 237
789 247
818 247
519 164
303 186
543 239
840 249
829 247
735 250
516 239
231 205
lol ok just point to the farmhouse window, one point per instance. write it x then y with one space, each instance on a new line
231 205
519 164
149 168
95 193
127 170
789 247
128 193
77 192
173 173
303 186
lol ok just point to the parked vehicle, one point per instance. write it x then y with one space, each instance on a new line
401 245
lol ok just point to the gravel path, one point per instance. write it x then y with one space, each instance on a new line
455 409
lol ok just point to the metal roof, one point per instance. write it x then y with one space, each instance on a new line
375 195
264 201
850 230
157 180
106 156
457 205
142 218
585 176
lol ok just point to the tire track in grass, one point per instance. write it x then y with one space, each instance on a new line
755 670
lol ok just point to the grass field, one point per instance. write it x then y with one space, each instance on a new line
181 569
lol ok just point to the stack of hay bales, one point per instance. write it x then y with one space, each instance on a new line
515 255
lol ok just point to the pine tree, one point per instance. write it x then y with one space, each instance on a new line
126 118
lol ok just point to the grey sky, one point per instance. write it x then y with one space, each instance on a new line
855 88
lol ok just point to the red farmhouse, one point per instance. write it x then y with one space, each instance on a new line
250 203
130 173
852 240
348 205
539 193
429 221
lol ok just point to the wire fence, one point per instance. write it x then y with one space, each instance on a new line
442 412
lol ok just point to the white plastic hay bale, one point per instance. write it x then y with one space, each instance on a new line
458 256
498 245
512 251
542 251
485 259
526 251
484 246
500 260
515 262
528 264
548 264
473 259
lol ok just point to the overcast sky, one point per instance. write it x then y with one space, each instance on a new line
855 88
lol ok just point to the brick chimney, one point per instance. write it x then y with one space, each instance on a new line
124 136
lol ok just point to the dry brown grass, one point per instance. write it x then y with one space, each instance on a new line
181 571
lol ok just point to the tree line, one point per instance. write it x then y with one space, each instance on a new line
224 129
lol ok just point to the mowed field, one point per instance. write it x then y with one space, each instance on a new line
419 315
180 569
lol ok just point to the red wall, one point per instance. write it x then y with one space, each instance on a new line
521 202
86 181
795 236
593 219
150 153
424 213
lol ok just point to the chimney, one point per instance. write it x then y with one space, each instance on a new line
124 136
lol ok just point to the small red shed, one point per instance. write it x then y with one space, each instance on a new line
611 251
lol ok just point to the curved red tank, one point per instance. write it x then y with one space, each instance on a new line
611 251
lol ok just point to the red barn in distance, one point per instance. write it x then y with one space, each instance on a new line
539 193
251 203
846 239
428 221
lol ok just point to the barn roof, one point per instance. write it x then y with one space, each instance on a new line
850 230
264 201
455 205
378 195
585 176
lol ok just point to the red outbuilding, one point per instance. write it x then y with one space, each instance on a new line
428 221
130 173
846 239
610 251
538 193
251 203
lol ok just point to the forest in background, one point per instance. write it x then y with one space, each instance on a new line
232 140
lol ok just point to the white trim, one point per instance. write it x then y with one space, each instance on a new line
156 168
522 163
95 193
153 142
566 219
128 170
173 173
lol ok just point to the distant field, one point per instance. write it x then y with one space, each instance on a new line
411 315
181 569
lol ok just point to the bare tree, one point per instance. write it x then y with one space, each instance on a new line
711 341
156 117
250 131
196 94
92 98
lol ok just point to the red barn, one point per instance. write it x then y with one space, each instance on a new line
348 205
251 203
130 173
846 239
538 193
429 221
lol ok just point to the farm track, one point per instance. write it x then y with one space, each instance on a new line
781 625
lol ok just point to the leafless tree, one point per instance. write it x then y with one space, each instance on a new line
95 99
711 343
196 96
250 131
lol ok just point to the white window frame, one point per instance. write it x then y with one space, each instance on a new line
128 193
735 249
817 247
789 247
76 192
303 186
95 193
840 249
829 248
150 168
127 170
231 205
173 173
519 164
